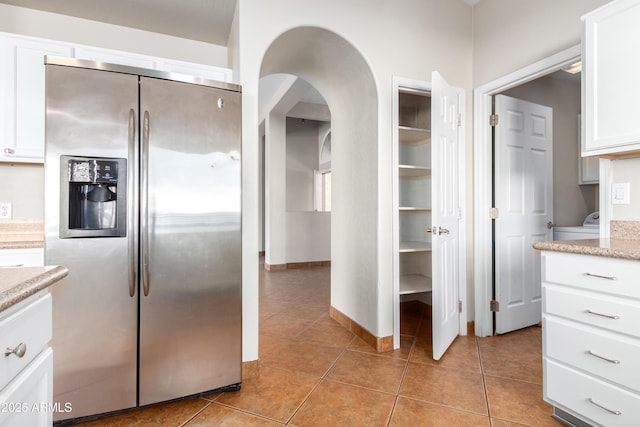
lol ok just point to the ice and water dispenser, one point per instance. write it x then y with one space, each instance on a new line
93 197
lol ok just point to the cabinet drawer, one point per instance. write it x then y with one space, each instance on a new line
601 274
580 393
598 352
614 314
31 326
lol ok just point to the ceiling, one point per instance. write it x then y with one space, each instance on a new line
203 20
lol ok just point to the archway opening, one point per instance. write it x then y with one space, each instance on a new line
337 70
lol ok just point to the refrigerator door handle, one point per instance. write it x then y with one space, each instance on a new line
130 204
144 201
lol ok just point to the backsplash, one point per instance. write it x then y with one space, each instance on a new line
629 230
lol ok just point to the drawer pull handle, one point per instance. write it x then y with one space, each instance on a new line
591 353
608 316
20 350
604 408
601 276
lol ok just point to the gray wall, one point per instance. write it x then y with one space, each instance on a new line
302 160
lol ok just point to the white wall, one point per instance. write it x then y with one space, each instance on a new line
509 35
627 171
408 38
571 202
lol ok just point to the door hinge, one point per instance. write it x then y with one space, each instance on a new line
459 306
493 120
494 213
459 119
494 306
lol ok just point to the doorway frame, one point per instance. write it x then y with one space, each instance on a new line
483 176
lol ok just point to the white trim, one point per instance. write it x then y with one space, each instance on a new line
482 155
606 207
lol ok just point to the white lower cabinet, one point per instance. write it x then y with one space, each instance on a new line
26 364
591 338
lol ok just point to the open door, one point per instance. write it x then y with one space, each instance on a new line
447 149
523 192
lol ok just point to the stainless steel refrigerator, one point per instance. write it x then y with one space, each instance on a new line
143 205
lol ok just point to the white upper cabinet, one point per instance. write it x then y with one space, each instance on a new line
22 96
611 79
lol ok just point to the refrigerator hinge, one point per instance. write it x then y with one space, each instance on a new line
494 306
494 213
493 120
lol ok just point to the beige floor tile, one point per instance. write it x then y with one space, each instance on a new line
217 416
302 356
461 354
283 325
327 334
332 404
172 414
450 387
517 355
406 343
275 394
518 401
408 412
369 371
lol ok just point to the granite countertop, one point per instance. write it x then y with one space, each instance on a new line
19 283
612 248
21 234
624 243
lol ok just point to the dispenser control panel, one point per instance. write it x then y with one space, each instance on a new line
93 170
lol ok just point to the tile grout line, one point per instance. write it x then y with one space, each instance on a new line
404 373
197 413
322 378
484 382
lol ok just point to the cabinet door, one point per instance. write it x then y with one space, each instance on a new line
27 400
611 85
23 97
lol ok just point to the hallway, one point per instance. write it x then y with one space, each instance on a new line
313 372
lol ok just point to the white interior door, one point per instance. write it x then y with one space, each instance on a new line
523 193
447 178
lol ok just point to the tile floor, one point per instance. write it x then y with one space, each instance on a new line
313 372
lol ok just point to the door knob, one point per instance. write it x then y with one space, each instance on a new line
442 230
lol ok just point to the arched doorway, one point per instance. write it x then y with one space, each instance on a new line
341 75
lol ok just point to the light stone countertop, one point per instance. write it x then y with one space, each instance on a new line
612 248
19 283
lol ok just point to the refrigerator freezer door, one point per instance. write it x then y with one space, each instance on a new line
190 307
94 316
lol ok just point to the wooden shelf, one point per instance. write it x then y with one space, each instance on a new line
406 247
410 135
414 284
411 170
